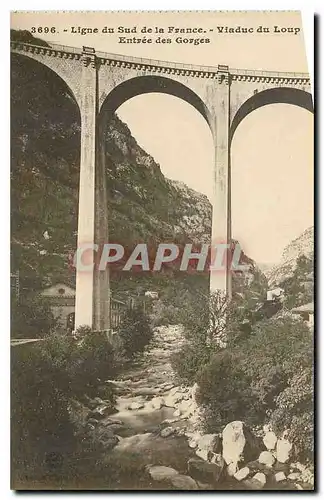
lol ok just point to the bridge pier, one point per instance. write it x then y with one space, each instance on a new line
92 286
221 219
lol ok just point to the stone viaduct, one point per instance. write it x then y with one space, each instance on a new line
101 82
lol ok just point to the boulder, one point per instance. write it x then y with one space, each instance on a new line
207 445
257 482
181 482
204 471
280 476
242 474
157 403
266 458
294 476
203 454
259 476
136 405
232 469
161 473
270 440
166 432
239 444
284 450
177 413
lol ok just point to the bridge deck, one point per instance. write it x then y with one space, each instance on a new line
141 61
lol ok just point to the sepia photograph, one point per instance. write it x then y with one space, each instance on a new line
162 251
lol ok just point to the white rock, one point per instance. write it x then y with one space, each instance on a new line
232 469
161 473
157 403
266 458
239 443
192 444
208 441
280 476
299 487
177 413
202 454
136 405
242 474
259 476
284 450
270 440
294 476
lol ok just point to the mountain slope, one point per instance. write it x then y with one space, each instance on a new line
301 246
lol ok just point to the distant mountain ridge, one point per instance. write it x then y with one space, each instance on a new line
303 245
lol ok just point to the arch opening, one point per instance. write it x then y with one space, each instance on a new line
151 84
45 165
279 95
272 180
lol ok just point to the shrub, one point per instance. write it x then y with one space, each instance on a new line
39 414
295 412
209 322
188 361
248 381
31 318
45 377
135 331
225 392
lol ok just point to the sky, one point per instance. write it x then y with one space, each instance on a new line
272 149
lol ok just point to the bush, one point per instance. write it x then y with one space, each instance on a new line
45 377
295 412
252 381
135 331
209 322
39 410
31 318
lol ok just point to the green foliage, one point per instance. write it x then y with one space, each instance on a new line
188 361
45 377
299 288
208 321
225 392
39 408
257 378
295 411
31 318
135 331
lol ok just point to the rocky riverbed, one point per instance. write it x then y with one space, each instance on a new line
154 439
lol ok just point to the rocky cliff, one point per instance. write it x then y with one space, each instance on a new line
301 246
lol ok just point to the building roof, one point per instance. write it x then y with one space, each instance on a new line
308 308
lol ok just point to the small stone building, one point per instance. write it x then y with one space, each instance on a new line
61 299
306 312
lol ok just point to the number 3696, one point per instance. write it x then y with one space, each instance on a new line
43 29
